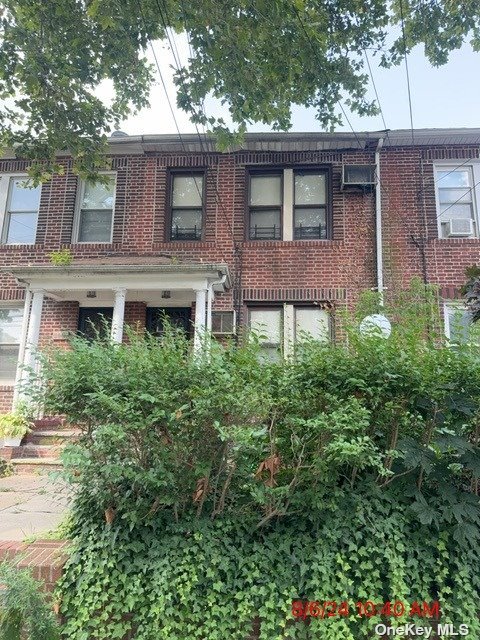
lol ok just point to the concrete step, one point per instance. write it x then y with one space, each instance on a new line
29 466
36 451
49 424
51 436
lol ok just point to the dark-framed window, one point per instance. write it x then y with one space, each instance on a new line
187 200
95 322
265 204
310 204
178 317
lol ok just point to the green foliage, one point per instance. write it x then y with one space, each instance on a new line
24 612
209 580
16 423
61 258
214 490
258 57
471 290
6 468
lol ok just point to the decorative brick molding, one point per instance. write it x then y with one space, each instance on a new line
44 558
293 295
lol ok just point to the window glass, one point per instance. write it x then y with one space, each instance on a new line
310 223
265 190
312 323
95 226
267 323
187 191
10 332
24 197
265 224
455 197
459 321
310 188
96 213
186 224
22 212
99 196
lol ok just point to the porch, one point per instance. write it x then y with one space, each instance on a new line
109 289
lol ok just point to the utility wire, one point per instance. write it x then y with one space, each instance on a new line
407 71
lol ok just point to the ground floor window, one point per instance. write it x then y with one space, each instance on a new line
279 328
458 322
95 322
10 332
178 317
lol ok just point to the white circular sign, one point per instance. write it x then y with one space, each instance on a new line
376 325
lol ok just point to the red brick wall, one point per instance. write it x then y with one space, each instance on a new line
336 269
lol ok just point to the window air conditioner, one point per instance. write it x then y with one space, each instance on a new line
358 175
459 227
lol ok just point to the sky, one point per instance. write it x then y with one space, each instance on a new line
448 96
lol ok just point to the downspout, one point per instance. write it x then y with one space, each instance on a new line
378 223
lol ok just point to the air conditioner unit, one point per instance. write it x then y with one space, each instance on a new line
459 227
358 175
223 323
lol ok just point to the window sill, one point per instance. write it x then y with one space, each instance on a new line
20 246
292 243
183 244
457 240
92 244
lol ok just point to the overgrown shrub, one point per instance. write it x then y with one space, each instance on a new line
24 611
350 471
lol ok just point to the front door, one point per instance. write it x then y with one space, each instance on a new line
178 317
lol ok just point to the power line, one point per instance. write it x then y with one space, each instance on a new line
407 72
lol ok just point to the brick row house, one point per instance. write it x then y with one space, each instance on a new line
278 233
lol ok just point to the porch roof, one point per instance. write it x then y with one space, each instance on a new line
112 275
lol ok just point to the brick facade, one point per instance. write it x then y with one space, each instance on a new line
301 271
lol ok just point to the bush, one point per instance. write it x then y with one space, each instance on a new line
350 471
24 612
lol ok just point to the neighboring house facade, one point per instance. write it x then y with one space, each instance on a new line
278 233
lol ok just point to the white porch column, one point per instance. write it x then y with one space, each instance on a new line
21 350
209 308
33 335
200 317
118 315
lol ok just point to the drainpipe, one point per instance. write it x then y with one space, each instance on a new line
378 223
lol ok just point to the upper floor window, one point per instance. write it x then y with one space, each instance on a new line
456 200
10 332
289 204
186 206
19 204
310 214
95 211
265 206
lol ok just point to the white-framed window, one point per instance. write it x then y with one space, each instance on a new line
19 205
280 327
10 332
95 211
457 189
289 204
457 322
